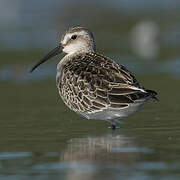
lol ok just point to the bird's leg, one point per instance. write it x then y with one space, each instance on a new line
113 126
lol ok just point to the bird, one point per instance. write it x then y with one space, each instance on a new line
93 85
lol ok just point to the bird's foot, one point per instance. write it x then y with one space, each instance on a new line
113 127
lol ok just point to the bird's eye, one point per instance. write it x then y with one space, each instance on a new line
73 37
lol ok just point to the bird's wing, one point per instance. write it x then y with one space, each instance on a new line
92 82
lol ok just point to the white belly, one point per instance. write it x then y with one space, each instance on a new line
113 114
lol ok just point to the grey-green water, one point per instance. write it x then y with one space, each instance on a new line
41 138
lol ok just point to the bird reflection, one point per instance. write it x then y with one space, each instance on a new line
112 152
97 148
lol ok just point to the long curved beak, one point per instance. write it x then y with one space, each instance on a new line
51 54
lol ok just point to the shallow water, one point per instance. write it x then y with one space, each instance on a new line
41 138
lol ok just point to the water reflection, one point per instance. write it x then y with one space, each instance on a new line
111 147
108 155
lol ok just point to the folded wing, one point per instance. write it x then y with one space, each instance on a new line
92 82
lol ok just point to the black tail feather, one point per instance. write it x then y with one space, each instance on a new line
152 94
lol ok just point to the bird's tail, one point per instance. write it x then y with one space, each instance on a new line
152 94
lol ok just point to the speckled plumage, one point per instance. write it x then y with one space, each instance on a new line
93 85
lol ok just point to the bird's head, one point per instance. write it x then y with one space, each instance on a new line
75 40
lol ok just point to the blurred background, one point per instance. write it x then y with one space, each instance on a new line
41 138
